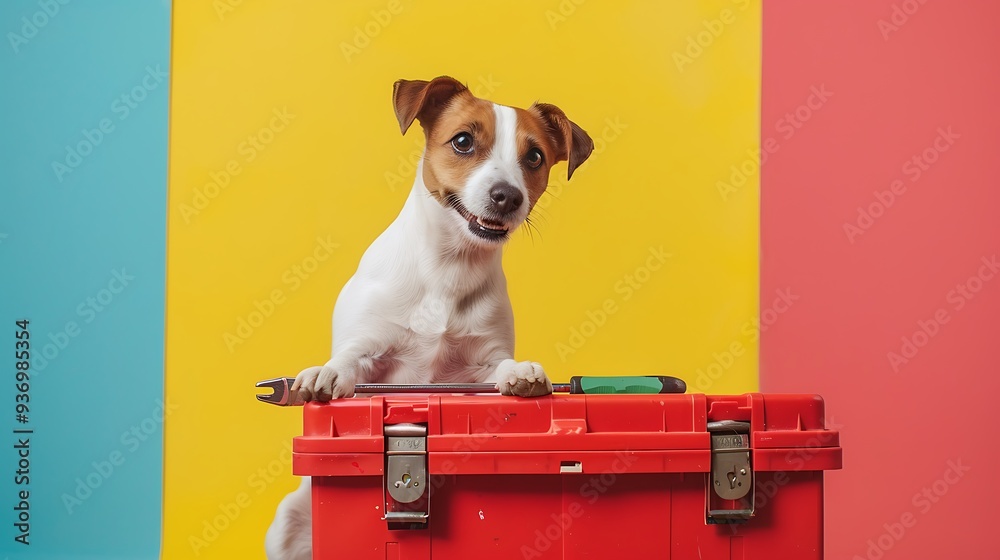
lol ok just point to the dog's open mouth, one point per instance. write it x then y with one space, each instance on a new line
485 228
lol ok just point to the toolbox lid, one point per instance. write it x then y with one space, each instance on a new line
490 434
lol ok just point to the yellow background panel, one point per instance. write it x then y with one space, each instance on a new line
286 162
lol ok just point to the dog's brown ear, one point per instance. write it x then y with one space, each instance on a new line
572 143
419 99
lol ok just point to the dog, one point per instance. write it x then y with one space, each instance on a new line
428 302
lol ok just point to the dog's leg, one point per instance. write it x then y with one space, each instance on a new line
290 535
520 379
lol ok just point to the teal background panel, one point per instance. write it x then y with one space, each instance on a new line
83 143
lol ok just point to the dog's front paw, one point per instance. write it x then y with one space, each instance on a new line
323 383
522 379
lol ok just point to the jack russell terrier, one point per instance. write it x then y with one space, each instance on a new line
428 303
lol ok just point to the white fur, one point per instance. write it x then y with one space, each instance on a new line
502 166
428 303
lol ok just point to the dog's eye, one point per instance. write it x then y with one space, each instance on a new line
533 158
462 143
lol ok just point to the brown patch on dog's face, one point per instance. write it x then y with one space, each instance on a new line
468 124
571 142
537 152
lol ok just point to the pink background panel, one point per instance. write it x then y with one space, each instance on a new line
920 444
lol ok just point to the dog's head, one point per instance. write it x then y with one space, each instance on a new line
487 162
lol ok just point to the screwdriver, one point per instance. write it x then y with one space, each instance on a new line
578 385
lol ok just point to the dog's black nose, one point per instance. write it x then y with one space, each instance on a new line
506 197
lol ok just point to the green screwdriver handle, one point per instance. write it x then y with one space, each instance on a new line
644 385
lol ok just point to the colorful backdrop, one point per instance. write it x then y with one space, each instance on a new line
187 185
286 162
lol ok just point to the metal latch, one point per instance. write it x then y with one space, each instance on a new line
407 500
731 492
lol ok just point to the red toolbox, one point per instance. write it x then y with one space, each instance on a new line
670 476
